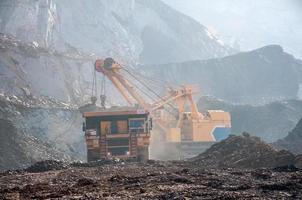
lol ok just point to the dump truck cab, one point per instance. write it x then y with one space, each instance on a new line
117 133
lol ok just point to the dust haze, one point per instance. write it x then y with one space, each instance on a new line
150 99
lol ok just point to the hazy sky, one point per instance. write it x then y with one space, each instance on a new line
250 23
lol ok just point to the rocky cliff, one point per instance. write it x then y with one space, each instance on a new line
256 77
270 122
133 30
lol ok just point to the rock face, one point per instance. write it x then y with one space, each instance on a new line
18 150
270 122
128 30
41 130
293 141
244 152
42 42
259 76
28 69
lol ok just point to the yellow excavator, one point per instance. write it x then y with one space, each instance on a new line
180 127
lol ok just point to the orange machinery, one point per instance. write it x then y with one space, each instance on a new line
193 126
117 133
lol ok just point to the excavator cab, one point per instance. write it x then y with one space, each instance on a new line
106 65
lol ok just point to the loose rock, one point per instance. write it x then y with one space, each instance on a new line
244 151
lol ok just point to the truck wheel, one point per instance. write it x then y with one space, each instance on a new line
143 154
92 155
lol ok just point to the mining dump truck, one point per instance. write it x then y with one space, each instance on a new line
117 133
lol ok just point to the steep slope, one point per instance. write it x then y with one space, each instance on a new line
28 69
131 30
270 122
34 129
259 76
293 141
19 150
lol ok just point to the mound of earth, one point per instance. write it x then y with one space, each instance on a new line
259 76
46 165
244 151
293 140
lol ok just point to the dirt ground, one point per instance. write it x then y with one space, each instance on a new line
153 180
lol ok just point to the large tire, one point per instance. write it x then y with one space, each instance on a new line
93 155
143 154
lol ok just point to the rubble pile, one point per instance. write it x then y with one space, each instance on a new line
119 179
153 180
293 140
46 165
244 151
50 165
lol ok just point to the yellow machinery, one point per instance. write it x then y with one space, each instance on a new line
119 133
193 126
